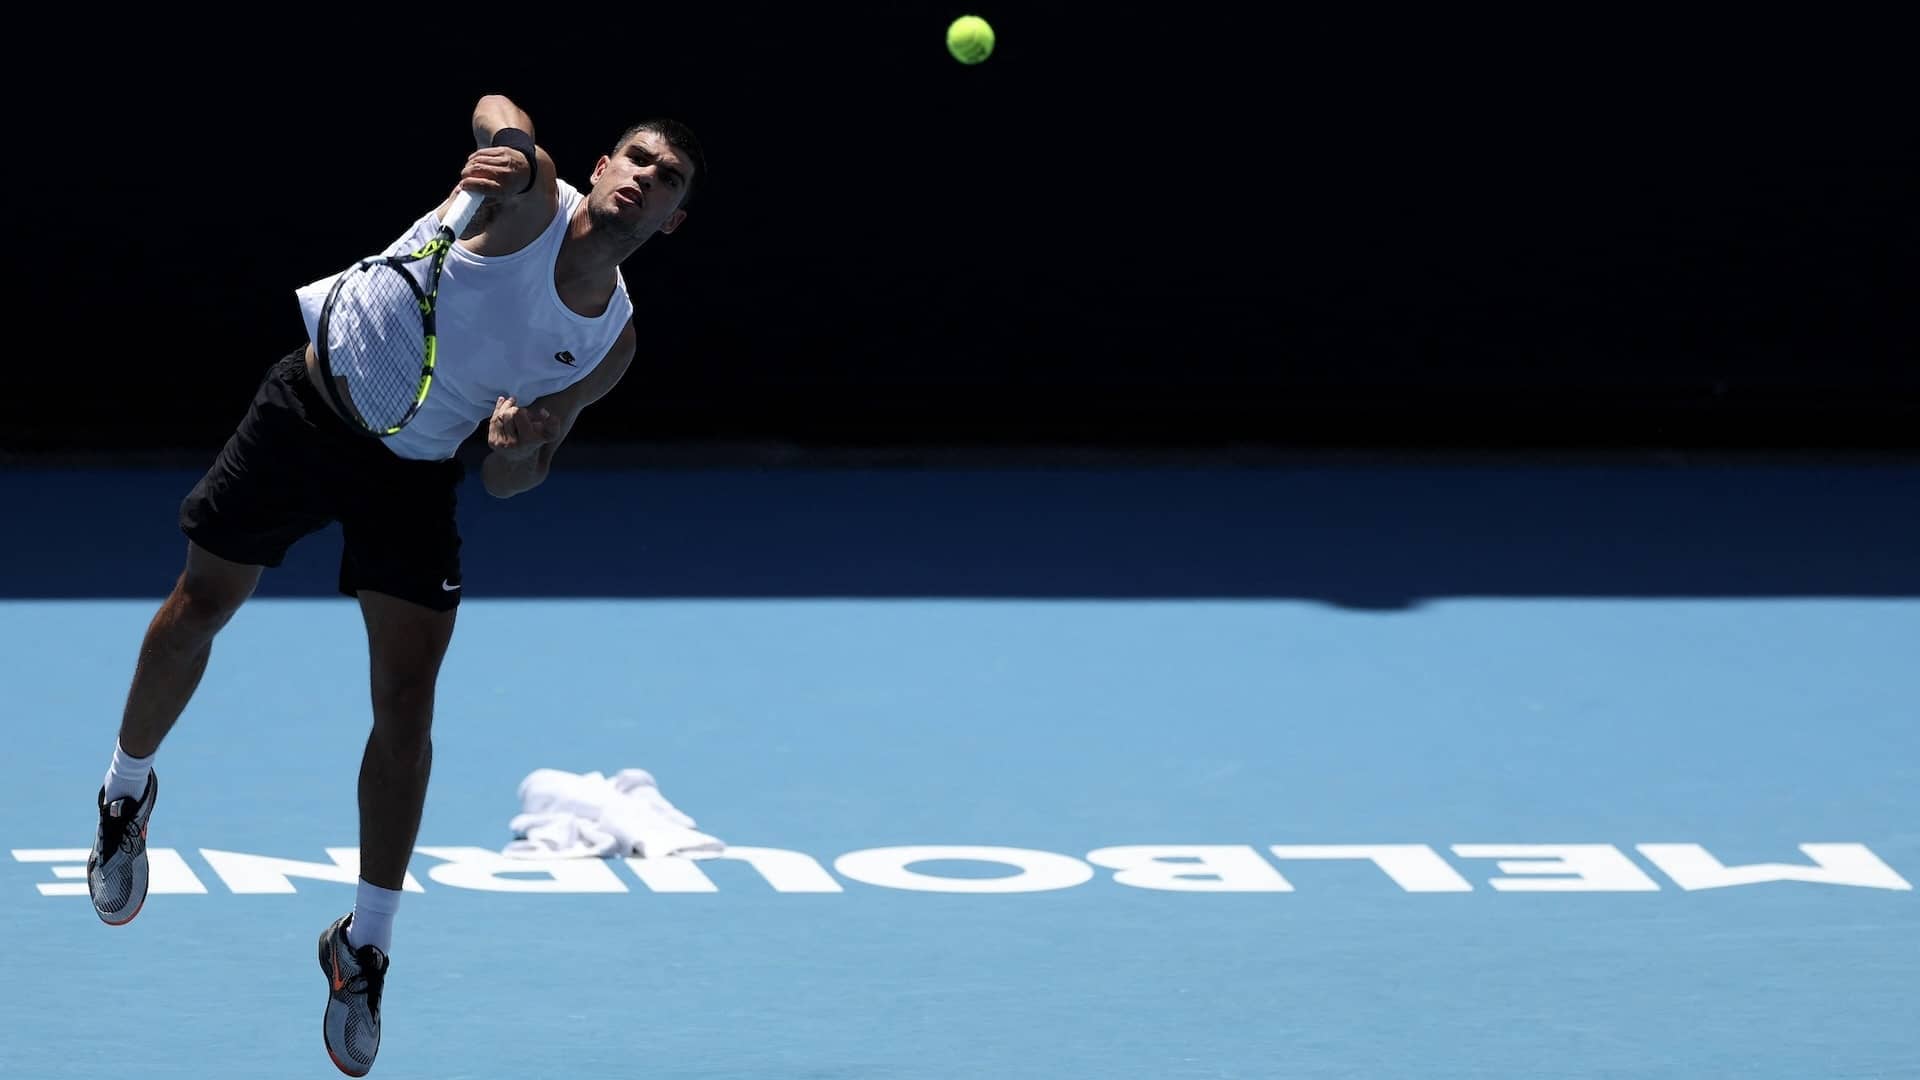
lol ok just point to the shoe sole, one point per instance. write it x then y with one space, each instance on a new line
336 1061
128 919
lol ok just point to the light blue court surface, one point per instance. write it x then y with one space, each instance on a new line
1465 771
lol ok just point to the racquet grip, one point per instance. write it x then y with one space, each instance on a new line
465 204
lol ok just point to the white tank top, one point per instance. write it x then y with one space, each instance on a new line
503 329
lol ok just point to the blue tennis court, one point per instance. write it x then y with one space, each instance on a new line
1358 770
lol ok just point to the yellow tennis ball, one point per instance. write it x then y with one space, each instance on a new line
970 39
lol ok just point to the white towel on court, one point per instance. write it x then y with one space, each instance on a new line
592 815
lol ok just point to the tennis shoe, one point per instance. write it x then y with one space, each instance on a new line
117 867
355 980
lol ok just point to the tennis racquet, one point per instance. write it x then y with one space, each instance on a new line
377 335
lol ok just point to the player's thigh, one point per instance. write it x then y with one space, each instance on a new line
406 643
401 560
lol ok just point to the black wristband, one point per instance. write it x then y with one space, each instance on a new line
523 142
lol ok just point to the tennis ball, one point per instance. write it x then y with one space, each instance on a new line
970 39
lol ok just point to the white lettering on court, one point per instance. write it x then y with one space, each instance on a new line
489 871
1691 867
167 872
1413 867
1575 867
265 874
786 871
1210 868
1038 871
1191 868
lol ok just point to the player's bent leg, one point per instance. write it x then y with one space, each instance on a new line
172 658
178 643
406 643
261 494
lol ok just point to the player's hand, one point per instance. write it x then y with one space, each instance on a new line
496 172
515 432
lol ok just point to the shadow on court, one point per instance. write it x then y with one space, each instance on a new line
1363 536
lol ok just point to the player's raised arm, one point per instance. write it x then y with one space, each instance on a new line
510 169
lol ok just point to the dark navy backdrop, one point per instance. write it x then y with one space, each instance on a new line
1131 225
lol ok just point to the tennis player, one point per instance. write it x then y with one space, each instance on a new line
535 324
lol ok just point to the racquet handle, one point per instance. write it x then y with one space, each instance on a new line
465 205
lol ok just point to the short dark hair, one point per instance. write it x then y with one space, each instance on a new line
682 138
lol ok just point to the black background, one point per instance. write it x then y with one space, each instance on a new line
1132 226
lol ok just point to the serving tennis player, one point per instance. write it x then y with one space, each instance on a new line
534 324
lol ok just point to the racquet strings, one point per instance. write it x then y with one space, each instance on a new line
376 341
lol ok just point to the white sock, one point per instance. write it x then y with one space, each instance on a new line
127 775
373 911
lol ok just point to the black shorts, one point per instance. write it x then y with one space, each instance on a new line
293 467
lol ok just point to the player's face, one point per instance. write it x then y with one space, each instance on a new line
638 190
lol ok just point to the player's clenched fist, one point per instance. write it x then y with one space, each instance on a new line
516 431
496 171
